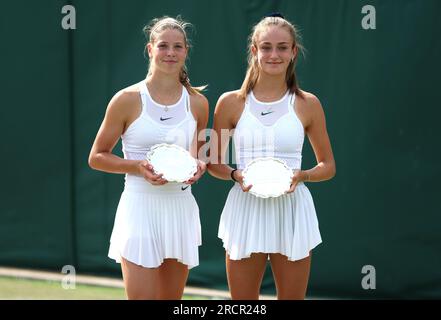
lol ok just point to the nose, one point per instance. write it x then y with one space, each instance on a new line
274 54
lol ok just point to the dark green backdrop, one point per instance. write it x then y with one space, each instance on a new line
379 89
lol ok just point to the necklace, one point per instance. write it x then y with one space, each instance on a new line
164 107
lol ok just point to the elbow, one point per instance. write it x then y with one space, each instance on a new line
92 161
333 171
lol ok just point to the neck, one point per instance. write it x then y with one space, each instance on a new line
163 82
270 86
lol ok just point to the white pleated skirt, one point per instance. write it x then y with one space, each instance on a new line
154 223
287 225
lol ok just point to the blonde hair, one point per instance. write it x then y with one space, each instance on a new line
158 25
253 68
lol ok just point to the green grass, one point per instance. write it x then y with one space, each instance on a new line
25 289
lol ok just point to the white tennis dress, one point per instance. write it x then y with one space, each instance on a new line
288 224
153 223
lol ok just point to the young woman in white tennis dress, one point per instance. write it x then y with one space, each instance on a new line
270 116
157 229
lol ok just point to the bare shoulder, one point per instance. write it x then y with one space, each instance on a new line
309 103
229 108
230 101
127 96
125 102
308 108
199 102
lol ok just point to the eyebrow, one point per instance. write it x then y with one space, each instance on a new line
166 42
266 42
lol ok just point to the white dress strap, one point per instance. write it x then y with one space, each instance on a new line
189 113
187 100
292 99
144 93
247 103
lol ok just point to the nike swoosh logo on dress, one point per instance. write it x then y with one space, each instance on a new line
163 119
265 113
183 188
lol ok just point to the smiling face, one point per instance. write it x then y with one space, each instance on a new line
274 49
168 51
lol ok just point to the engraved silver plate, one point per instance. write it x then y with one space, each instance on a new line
270 177
174 162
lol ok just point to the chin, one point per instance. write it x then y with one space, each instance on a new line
171 69
275 72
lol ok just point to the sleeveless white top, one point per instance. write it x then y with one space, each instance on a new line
288 224
154 223
283 139
145 131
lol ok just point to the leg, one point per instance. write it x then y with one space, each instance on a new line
172 278
245 276
140 283
291 276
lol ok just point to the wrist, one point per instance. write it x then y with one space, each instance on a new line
306 176
136 167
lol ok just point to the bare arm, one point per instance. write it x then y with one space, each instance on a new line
319 139
202 120
220 138
311 111
201 110
101 157
112 127
226 109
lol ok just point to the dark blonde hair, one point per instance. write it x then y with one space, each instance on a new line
253 69
158 25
